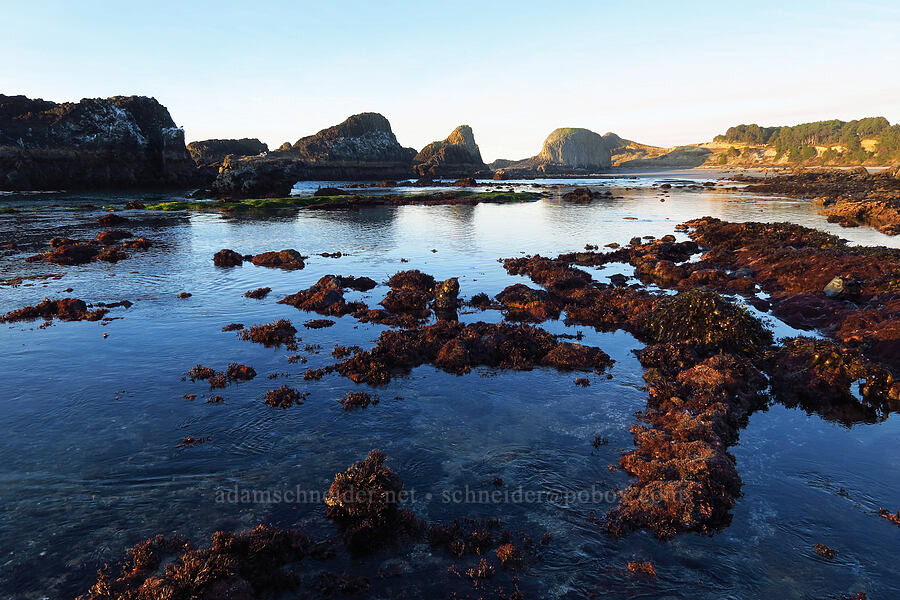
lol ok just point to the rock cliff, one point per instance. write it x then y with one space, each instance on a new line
119 142
362 138
567 150
456 156
362 147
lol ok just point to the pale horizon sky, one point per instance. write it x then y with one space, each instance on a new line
659 73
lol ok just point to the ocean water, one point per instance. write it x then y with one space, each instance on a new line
91 424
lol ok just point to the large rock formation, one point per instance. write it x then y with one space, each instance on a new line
123 141
362 147
212 153
456 156
567 150
681 157
575 148
363 138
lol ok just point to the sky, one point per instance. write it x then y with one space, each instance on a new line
661 73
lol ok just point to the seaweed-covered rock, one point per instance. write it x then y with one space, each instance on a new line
446 293
326 296
240 566
706 317
274 334
364 502
289 260
227 258
65 309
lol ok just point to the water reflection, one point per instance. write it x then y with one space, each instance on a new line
91 424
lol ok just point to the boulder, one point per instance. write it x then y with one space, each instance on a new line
446 293
843 288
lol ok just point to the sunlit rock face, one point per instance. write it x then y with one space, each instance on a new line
123 141
362 147
213 152
456 156
576 148
366 138
567 150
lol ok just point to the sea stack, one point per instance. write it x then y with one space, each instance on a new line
118 142
456 156
362 147
566 151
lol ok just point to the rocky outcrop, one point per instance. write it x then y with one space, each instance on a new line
212 153
119 142
363 138
456 156
576 148
682 157
362 147
566 151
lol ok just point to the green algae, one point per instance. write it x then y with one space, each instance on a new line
292 202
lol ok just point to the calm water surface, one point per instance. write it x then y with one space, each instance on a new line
90 425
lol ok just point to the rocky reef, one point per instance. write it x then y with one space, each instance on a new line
456 156
362 147
850 198
212 153
119 142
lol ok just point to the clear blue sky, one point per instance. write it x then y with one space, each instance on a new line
664 73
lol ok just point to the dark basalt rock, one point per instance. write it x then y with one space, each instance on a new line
362 147
212 153
119 142
456 156
227 258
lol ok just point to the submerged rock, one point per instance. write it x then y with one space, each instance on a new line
364 503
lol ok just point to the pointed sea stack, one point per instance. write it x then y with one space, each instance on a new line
456 156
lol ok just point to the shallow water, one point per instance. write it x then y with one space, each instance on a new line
90 425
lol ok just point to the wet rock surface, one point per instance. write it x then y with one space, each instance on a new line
289 260
274 334
65 309
363 502
704 357
456 348
849 197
